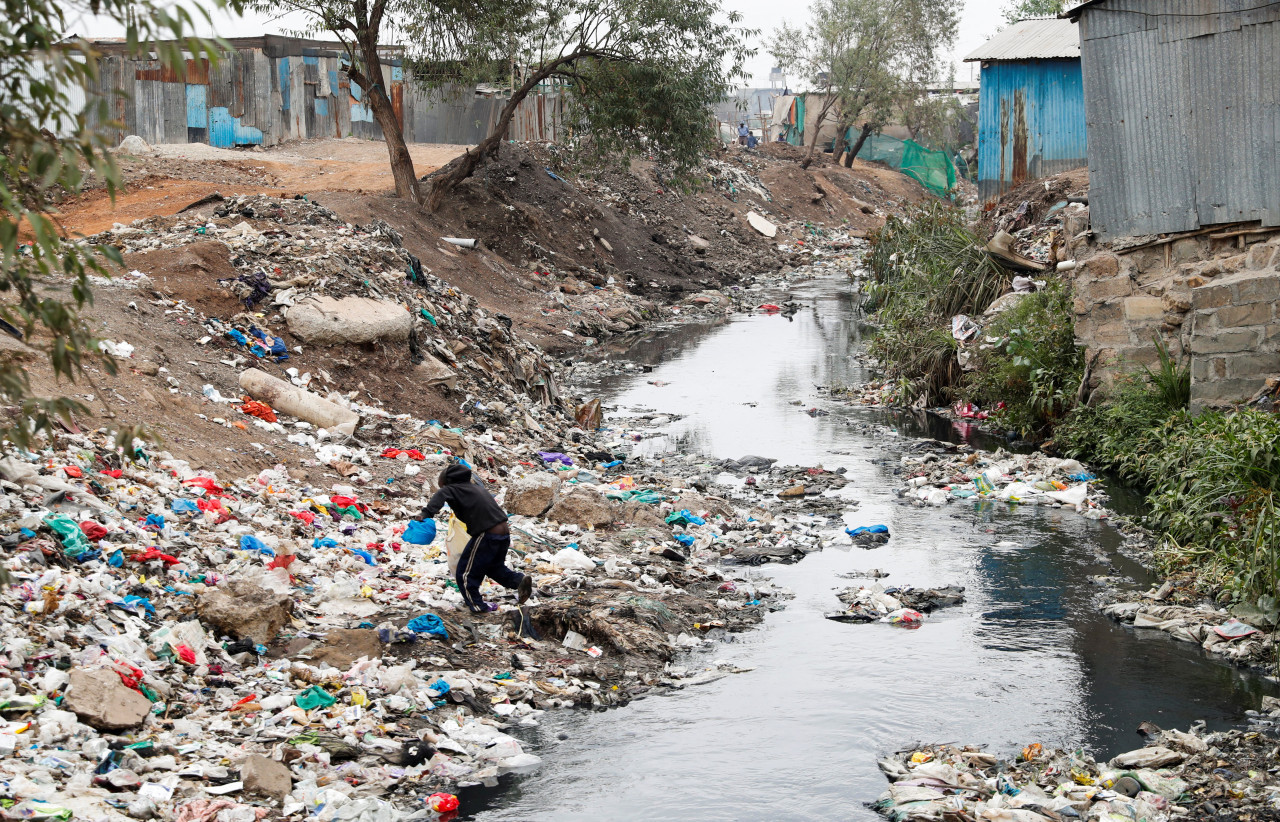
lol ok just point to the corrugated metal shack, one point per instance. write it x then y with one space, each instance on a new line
1183 112
1031 110
271 89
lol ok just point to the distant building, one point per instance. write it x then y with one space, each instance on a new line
1031 114
267 90
1183 110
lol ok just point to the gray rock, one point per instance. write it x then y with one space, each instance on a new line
102 701
698 243
243 610
350 320
583 508
265 777
532 495
135 145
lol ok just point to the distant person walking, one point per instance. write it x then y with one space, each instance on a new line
743 134
486 551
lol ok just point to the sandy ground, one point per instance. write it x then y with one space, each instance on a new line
177 175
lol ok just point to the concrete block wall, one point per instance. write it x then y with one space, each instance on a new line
1235 336
1212 301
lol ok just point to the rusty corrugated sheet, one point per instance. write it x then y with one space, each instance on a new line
1031 122
397 102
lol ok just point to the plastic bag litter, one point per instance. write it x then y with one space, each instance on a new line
420 532
568 559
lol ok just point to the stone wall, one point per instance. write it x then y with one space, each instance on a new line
1214 301
1235 335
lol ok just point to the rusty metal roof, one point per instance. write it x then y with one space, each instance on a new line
1031 40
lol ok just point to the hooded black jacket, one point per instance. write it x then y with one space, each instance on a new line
470 501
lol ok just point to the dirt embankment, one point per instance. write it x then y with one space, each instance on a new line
566 258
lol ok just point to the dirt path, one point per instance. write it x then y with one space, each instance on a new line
178 175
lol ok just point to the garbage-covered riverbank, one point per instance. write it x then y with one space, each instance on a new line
1226 775
187 641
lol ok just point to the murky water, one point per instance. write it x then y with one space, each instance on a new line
1027 658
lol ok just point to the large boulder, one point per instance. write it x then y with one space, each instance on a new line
101 700
265 777
350 320
243 610
533 494
584 508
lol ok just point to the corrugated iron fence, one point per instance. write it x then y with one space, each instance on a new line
1183 113
272 89
1031 123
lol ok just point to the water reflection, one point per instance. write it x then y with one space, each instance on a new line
1028 658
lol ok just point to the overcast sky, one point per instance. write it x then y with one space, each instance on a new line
978 21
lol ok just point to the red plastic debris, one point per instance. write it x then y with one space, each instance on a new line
72 471
258 409
282 561
207 484
154 553
93 530
414 454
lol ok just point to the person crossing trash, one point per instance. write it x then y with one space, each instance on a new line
485 554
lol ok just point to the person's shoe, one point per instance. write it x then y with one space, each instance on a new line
525 590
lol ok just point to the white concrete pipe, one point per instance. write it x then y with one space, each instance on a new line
304 405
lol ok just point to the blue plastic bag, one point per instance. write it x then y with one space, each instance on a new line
154 519
867 529
326 542
248 542
428 624
183 506
420 532
685 539
364 555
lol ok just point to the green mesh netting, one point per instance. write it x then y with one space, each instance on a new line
933 169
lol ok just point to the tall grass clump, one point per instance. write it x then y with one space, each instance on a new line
926 267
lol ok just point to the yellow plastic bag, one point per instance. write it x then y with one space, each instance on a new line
456 539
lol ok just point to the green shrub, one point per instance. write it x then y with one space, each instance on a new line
1121 434
1216 489
926 267
1213 481
1034 367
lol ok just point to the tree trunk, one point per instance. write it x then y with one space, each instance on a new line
838 148
376 98
862 138
459 169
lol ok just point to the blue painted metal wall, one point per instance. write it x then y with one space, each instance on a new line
270 90
1030 123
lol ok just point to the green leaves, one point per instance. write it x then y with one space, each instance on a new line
1034 367
1213 481
926 267
49 147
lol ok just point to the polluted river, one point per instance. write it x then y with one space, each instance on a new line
1028 657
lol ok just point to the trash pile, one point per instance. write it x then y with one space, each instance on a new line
307 274
182 644
895 606
1028 224
1037 479
1214 629
1193 775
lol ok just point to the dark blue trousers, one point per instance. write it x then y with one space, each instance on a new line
485 556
